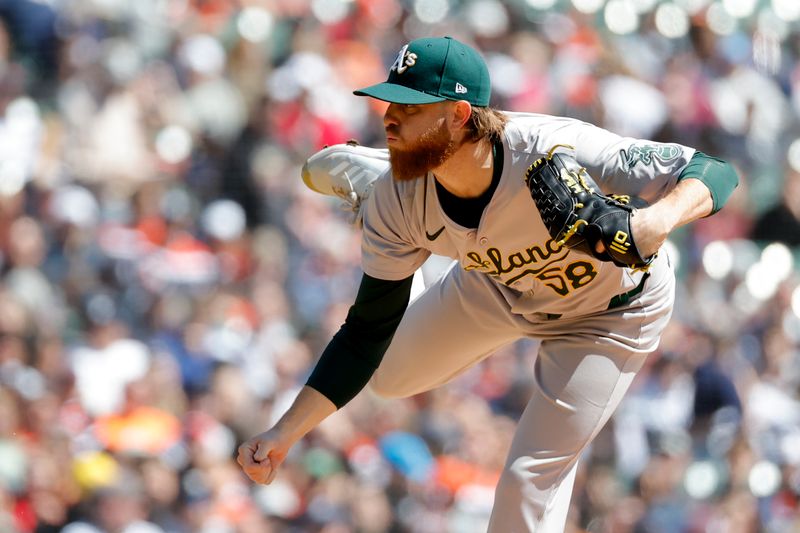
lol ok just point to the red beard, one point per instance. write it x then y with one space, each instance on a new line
432 149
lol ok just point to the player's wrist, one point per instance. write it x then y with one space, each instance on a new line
286 434
659 218
651 227
308 410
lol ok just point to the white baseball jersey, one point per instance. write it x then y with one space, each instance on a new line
404 222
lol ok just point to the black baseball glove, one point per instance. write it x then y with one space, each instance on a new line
579 216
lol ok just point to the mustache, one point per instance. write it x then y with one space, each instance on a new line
392 130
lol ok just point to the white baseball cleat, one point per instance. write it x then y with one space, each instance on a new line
346 170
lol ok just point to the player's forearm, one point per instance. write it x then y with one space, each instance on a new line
308 410
703 188
688 201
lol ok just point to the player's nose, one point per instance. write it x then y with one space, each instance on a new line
390 117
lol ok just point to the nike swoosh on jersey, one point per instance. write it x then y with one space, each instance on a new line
434 236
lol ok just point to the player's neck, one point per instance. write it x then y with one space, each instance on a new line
468 172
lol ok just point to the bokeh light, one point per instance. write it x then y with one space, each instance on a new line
487 17
719 20
279 498
204 54
224 220
588 6
671 20
173 144
769 23
796 301
779 260
330 11
431 11
702 480
717 259
692 6
75 205
793 155
760 282
764 479
739 8
788 10
12 177
643 6
22 113
123 59
509 75
790 444
541 4
620 17
255 24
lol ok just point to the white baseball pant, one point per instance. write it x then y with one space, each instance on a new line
584 366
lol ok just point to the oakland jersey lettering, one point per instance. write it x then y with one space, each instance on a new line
562 279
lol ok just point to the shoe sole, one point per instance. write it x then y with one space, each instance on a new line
334 162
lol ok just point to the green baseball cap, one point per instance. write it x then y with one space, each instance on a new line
433 70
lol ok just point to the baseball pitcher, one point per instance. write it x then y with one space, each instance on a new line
555 226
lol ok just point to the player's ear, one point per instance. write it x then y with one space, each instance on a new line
462 110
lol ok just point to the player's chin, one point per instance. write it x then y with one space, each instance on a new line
406 174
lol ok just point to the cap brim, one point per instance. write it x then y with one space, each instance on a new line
397 94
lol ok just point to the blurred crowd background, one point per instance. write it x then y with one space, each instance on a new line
166 281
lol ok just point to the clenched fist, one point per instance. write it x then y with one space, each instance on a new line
261 456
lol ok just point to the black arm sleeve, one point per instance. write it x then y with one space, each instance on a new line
354 353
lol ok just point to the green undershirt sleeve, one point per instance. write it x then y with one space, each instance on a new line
354 353
718 175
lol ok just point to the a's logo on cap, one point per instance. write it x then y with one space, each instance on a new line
404 60
460 89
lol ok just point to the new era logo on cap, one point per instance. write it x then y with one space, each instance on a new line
460 89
